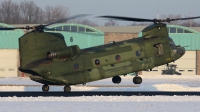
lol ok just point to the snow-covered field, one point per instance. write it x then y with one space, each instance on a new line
107 103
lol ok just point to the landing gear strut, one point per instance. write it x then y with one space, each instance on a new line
67 88
116 79
45 88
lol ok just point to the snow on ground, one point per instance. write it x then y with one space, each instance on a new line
107 103
150 83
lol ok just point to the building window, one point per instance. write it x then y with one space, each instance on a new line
172 30
50 29
59 28
181 70
73 28
190 70
81 29
1 69
89 30
66 28
186 31
179 30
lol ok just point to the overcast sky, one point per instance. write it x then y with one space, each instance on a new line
131 8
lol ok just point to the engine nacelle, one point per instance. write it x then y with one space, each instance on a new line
69 52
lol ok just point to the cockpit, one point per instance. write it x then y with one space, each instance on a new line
171 42
176 49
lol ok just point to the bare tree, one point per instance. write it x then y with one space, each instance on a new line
56 13
9 12
27 12
111 23
30 12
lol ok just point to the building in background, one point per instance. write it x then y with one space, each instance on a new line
9 54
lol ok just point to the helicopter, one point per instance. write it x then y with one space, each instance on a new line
45 57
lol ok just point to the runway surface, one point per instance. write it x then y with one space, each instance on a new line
95 93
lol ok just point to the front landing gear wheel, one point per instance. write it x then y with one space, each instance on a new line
137 80
67 88
45 88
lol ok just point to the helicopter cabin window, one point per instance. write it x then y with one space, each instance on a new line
158 49
66 28
89 30
81 29
186 31
172 30
179 30
59 28
73 28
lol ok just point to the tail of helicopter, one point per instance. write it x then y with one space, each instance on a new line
34 46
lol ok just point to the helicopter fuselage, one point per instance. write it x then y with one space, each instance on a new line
71 66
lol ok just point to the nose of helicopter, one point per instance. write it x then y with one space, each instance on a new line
181 51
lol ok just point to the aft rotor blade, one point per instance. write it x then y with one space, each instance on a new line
128 18
185 18
67 19
147 20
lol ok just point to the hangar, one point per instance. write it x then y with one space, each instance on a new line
9 56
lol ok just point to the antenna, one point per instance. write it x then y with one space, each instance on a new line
191 13
157 9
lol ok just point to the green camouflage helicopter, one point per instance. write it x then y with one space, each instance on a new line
48 60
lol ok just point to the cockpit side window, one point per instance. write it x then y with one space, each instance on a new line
171 42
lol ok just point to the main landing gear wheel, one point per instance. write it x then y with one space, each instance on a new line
45 88
116 79
137 80
67 88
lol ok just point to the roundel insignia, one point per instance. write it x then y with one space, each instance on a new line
117 58
137 53
97 62
76 66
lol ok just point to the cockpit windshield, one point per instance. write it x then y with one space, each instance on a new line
171 42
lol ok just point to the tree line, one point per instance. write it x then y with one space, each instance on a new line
28 12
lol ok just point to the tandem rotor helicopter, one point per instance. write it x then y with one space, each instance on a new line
46 58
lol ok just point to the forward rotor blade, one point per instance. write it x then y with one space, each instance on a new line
128 18
7 28
12 28
67 19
